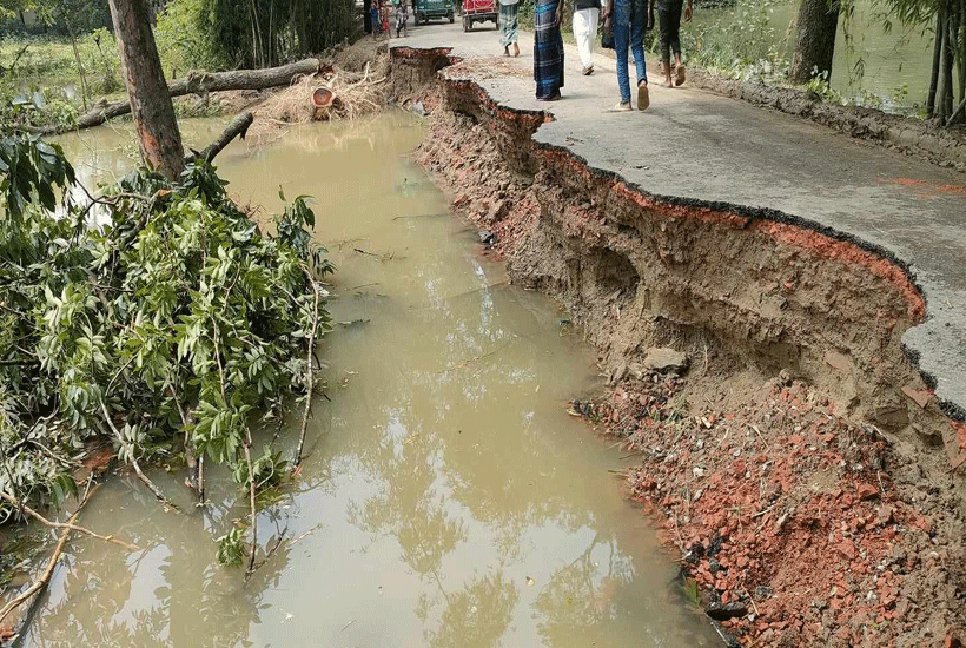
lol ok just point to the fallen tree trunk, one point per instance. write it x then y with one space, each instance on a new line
201 84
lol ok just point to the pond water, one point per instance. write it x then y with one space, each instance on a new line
871 64
448 499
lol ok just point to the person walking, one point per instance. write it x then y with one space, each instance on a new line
508 26
669 12
586 13
548 52
376 22
628 19
401 17
384 9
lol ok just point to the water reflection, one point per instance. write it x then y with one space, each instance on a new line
448 500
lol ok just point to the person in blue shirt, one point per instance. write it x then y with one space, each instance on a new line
628 20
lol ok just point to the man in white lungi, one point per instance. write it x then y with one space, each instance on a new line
586 13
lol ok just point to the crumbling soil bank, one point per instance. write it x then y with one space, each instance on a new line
790 450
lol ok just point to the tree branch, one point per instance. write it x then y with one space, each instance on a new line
310 386
201 84
237 128
41 582
134 463
68 526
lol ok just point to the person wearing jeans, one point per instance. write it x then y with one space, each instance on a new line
629 19
669 12
586 13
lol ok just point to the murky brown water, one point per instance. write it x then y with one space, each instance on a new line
448 498
871 63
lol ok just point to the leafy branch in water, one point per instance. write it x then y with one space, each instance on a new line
169 328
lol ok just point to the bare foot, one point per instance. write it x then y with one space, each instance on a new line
679 74
643 101
516 50
668 83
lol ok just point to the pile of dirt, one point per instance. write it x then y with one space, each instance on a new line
788 517
802 522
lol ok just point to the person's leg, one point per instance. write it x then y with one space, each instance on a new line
620 50
637 47
594 17
664 17
675 8
582 36
503 19
513 28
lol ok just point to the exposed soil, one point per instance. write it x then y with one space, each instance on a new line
792 452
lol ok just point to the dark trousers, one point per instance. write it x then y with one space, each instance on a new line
669 13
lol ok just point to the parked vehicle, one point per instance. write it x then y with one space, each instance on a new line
475 11
426 10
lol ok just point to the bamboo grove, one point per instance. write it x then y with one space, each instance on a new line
261 33
948 63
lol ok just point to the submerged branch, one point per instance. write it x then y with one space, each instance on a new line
68 526
310 386
41 582
137 466
251 499
237 128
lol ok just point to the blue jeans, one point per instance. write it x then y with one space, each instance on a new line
629 36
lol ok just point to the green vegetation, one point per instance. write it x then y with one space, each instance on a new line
742 44
170 329
263 33
183 43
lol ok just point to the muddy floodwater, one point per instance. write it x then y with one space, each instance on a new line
448 499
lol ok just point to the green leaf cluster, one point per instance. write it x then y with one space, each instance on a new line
163 304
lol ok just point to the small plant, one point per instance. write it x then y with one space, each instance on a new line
231 547
820 85
691 591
